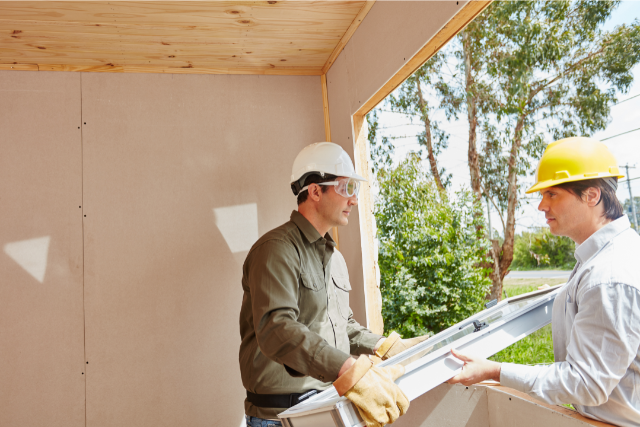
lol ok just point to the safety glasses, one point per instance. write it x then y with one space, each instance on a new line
346 187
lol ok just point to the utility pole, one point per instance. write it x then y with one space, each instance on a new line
489 218
633 204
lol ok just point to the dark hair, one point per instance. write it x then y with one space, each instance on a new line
314 178
612 207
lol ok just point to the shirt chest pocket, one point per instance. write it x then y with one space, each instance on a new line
341 289
312 281
312 297
570 306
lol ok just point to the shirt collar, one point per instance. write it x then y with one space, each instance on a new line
308 229
601 238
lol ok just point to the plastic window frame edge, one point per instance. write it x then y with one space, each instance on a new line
328 399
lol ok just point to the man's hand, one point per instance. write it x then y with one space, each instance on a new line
373 391
394 344
475 370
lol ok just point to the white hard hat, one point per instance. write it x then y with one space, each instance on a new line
322 158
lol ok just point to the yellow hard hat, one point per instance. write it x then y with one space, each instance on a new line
574 159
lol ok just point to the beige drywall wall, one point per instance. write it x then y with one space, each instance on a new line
448 406
182 173
391 33
486 406
42 366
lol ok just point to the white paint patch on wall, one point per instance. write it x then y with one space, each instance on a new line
31 255
238 225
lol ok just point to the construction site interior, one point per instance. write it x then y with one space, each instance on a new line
145 146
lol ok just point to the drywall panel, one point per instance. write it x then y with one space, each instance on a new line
182 173
389 36
42 379
511 408
448 406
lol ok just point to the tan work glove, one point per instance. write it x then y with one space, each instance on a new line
394 344
372 389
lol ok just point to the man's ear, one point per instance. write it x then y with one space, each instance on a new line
315 192
592 196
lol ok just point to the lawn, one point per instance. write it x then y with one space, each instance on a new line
536 348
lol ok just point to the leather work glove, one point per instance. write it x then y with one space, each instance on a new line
373 391
394 344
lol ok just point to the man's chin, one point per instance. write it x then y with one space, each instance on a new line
553 229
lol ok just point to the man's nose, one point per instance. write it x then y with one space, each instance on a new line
353 200
543 206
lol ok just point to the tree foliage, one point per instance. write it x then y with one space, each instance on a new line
411 100
524 73
629 211
430 252
381 149
542 249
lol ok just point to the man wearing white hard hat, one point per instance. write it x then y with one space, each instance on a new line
596 314
297 330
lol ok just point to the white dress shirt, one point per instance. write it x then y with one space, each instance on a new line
596 333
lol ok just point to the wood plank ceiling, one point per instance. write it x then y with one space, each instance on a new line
226 37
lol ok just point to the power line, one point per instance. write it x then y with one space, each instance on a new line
623 133
396 126
625 100
401 137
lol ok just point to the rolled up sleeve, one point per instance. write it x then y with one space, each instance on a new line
603 343
274 290
361 339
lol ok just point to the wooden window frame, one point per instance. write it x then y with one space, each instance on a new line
460 20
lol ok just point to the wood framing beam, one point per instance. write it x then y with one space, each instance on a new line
372 294
327 137
325 104
451 29
347 35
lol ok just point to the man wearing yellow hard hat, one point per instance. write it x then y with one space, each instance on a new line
596 315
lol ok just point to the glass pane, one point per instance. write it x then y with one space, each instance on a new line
466 328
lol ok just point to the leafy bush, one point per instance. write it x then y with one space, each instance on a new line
431 248
542 249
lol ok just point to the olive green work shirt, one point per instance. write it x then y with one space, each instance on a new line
296 326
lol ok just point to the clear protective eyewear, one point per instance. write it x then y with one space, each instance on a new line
346 187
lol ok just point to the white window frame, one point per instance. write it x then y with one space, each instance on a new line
425 373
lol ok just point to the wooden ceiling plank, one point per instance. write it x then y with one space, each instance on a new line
277 52
19 67
152 69
177 37
61 58
296 13
347 35
288 37
199 44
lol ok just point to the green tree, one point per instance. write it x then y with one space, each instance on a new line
411 100
430 252
528 72
542 249
381 149
627 209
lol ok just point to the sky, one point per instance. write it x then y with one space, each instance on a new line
625 116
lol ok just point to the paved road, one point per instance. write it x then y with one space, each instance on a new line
535 274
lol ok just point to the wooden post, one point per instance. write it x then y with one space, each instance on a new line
367 228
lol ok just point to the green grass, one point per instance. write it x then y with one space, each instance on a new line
536 348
